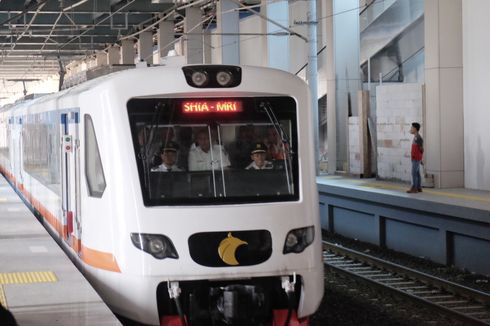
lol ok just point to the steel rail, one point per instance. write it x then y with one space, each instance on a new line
468 305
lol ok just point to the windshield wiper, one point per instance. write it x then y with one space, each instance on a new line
148 134
267 107
286 143
153 125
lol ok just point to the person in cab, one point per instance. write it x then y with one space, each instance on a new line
258 156
168 155
275 146
206 156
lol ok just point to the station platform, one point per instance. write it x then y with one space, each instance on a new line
448 226
39 285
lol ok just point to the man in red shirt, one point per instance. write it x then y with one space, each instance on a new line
417 153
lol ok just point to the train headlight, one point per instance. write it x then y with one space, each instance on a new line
224 78
298 239
157 245
199 78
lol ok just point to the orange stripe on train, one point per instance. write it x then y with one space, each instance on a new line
99 259
92 257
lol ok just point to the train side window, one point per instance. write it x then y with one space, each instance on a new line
41 148
94 171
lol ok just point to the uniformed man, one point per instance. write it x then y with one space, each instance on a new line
168 154
258 155
205 156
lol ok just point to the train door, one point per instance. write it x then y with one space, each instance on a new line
70 181
16 159
12 144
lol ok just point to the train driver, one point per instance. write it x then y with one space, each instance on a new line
168 154
258 155
206 157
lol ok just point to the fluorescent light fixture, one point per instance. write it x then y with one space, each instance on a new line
75 5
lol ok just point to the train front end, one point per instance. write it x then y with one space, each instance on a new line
225 230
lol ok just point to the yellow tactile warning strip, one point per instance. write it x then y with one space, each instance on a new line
27 277
3 300
432 192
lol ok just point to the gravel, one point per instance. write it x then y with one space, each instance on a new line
349 301
472 280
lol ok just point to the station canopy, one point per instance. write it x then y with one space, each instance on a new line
38 37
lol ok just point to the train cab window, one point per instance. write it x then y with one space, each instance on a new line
215 151
93 165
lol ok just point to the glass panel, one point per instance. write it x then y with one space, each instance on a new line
5 137
93 165
217 151
41 148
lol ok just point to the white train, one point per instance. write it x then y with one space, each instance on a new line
148 179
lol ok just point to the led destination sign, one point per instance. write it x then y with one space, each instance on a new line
213 106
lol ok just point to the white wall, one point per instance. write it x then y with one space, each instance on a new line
476 81
397 105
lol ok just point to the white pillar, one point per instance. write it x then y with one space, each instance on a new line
165 38
444 137
331 111
127 52
278 46
101 59
113 55
348 82
207 53
476 81
312 74
228 22
264 39
145 47
193 40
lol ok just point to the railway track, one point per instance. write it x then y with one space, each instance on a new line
468 305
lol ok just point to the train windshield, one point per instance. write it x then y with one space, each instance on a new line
215 151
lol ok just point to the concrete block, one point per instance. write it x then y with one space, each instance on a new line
398 107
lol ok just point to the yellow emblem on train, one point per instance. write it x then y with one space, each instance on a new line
227 248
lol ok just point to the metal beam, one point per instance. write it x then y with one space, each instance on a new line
28 52
26 74
53 47
46 63
41 38
37 45
34 37
100 5
78 12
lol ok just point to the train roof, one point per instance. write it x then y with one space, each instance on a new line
120 76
